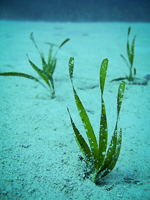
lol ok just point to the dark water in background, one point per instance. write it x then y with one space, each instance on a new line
76 10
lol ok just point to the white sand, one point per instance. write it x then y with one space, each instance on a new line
39 155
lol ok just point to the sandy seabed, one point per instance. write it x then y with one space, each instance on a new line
39 157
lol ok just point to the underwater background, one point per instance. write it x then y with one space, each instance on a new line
39 157
76 10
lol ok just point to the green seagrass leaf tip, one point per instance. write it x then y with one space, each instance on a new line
103 72
66 40
120 96
129 29
71 67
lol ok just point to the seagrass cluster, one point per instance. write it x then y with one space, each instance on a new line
100 157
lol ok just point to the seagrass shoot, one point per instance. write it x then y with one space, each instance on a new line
46 73
130 59
100 158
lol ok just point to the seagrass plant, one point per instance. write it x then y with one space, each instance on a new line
129 62
46 73
100 157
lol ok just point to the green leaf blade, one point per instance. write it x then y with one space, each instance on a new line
125 60
46 77
40 72
115 144
128 50
129 29
22 75
132 51
109 165
71 68
121 91
42 57
50 54
103 71
103 132
88 128
128 44
84 117
81 142
66 40
103 135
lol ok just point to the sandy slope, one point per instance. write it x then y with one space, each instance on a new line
39 155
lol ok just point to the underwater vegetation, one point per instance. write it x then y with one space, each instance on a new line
99 157
46 73
129 62
130 54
